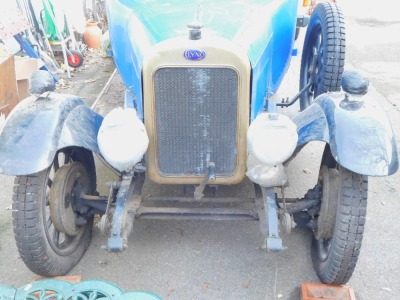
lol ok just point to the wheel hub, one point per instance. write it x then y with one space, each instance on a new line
330 197
68 183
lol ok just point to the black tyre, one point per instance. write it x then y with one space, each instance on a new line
75 59
326 36
46 250
337 240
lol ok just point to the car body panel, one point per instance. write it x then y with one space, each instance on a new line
359 135
358 132
219 54
39 126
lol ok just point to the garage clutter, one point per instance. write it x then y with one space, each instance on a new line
45 34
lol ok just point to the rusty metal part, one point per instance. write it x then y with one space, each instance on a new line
69 181
209 176
128 200
212 208
286 223
105 224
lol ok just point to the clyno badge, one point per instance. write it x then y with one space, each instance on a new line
194 54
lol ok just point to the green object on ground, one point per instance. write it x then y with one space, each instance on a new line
55 289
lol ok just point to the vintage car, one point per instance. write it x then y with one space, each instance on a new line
200 110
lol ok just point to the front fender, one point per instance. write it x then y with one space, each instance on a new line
358 132
39 126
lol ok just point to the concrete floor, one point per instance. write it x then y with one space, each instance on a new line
224 260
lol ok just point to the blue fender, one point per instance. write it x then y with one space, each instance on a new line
358 132
40 126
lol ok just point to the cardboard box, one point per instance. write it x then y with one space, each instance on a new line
15 72
8 86
24 67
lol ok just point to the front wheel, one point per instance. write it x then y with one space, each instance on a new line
49 243
337 240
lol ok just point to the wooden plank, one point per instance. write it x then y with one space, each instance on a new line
12 21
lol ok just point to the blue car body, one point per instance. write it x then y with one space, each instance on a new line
265 29
259 33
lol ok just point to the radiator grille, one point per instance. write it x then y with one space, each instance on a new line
196 120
